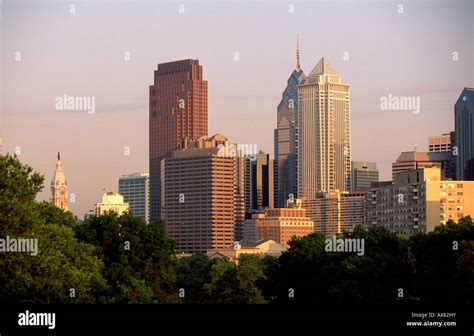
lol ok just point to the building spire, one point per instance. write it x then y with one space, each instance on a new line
298 67
59 157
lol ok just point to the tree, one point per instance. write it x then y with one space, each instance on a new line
140 262
63 270
192 274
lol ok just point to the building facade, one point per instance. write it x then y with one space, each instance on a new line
286 138
441 143
135 189
363 174
279 224
334 212
261 181
203 195
464 128
177 111
324 140
408 161
59 189
111 201
419 200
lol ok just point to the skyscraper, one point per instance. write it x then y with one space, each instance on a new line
324 139
178 111
285 137
413 160
59 191
261 193
202 195
135 189
464 128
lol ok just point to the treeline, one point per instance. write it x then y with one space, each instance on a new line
112 259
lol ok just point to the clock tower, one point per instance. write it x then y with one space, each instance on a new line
59 196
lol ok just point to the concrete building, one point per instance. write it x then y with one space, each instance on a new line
59 189
418 201
263 248
135 189
279 224
178 110
324 139
111 201
334 212
286 137
464 128
441 143
363 174
413 160
203 194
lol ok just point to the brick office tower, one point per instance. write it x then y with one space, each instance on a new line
178 110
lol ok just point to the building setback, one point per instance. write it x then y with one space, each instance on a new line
324 140
135 189
203 195
418 201
413 159
464 128
177 111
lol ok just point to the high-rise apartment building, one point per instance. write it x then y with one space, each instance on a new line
111 201
334 212
363 174
59 190
286 137
178 110
135 189
464 128
203 195
324 139
418 201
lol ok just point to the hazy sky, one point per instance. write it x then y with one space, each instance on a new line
82 54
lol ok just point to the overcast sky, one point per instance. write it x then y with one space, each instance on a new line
426 51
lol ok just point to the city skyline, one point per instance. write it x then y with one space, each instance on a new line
236 105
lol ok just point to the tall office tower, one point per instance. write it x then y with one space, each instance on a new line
135 189
324 139
178 110
203 195
59 196
363 174
334 212
285 137
413 160
464 128
419 200
261 195
111 201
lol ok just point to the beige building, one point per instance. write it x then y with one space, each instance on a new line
324 139
264 247
418 201
279 224
203 194
441 143
111 201
59 189
334 212
413 160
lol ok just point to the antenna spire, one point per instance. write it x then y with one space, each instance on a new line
298 67
59 157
